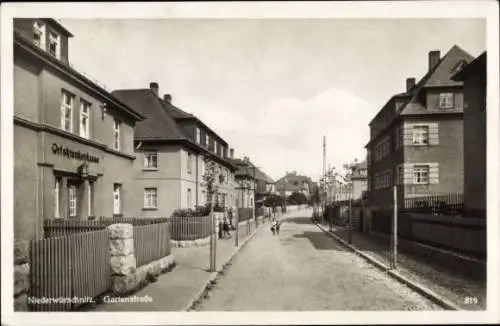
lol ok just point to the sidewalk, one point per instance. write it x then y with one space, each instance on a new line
175 290
454 288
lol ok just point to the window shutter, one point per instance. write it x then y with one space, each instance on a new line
433 173
434 133
408 174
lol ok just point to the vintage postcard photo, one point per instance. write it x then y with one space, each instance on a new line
250 163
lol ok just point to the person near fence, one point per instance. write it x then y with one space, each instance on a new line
225 228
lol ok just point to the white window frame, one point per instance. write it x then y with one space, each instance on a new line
56 39
189 163
57 198
207 140
117 199
198 135
446 100
85 116
420 135
150 198
116 134
72 200
418 170
151 159
215 146
40 30
65 108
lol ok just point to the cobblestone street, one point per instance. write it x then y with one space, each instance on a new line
304 269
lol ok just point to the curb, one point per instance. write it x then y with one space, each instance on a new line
214 275
428 293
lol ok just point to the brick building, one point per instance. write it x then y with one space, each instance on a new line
416 139
474 77
171 146
74 141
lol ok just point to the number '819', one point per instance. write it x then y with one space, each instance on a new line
471 300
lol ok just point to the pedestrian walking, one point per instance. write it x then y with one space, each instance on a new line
225 228
274 226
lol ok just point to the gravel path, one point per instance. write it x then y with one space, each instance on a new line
304 269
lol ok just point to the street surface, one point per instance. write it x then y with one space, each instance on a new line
304 269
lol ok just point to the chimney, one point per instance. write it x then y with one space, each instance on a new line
434 57
246 159
231 153
410 83
154 87
167 98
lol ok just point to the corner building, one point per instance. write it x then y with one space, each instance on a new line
73 140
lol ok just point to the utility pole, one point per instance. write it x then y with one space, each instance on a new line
324 179
395 231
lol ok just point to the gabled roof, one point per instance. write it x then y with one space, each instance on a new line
439 76
478 64
158 124
27 45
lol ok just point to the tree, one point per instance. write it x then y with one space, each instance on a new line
211 179
297 198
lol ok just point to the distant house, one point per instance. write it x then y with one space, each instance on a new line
171 147
245 182
474 77
359 179
292 182
416 139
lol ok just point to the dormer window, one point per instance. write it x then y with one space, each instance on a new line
445 101
54 45
39 34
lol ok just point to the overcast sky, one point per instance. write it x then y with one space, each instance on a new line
272 88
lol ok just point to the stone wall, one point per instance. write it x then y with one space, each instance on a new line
21 275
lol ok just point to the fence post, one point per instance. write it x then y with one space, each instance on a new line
236 238
122 258
349 230
395 230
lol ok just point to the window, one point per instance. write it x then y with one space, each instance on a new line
383 180
54 45
190 163
68 101
420 135
84 119
445 100
198 135
223 201
39 35
215 146
421 174
91 199
189 199
207 140
230 200
57 198
116 198
72 200
116 132
151 159
150 198
202 167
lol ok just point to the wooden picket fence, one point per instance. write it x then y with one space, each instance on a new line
74 266
151 242
184 228
63 227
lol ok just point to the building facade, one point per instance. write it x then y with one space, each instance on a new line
416 139
172 147
74 141
474 77
359 180
246 183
